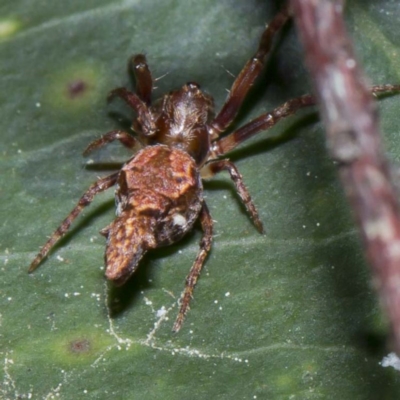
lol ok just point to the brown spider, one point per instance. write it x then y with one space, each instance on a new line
159 192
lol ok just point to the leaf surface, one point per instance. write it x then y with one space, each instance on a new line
289 314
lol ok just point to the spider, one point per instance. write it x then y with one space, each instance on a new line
159 192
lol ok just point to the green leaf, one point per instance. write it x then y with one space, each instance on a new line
289 314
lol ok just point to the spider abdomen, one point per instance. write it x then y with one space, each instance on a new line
159 196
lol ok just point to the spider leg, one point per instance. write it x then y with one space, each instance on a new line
144 82
205 246
144 114
271 118
247 76
382 89
124 137
97 187
214 167
261 123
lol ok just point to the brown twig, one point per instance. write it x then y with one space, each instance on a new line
349 114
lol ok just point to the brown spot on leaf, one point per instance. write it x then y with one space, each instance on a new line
79 346
76 88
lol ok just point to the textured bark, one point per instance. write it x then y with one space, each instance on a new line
349 113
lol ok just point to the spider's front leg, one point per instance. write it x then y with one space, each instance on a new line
271 118
144 114
144 81
205 246
99 186
261 123
247 76
124 137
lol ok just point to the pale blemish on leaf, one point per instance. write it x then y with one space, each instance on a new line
8 27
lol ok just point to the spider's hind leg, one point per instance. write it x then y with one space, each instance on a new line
214 167
99 186
191 280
